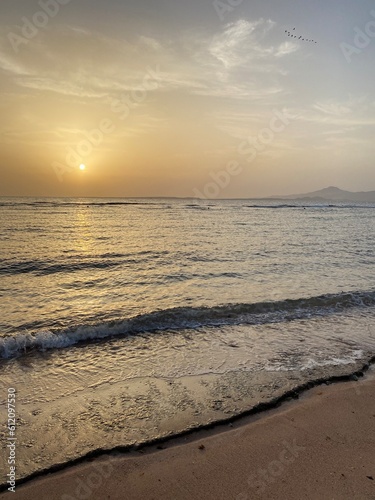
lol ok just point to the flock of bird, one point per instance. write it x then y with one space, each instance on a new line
292 35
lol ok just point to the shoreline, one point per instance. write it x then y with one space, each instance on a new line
259 413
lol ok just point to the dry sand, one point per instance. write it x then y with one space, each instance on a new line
320 447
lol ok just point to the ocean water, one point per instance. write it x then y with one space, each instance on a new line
125 320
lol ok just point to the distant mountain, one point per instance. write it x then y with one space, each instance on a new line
332 194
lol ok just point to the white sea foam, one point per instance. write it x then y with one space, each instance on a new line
186 318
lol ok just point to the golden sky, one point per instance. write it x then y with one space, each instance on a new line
163 98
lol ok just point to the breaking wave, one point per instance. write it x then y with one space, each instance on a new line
186 318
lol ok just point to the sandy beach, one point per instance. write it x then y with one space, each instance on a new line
319 447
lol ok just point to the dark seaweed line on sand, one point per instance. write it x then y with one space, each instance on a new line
259 408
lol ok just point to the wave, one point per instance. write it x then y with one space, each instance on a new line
309 205
41 269
74 263
187 318
166 203
277 206
79 203
197 207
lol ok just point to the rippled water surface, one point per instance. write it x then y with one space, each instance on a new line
125 320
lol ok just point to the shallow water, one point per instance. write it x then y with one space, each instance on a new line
127 320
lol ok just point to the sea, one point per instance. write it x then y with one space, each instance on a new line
124 321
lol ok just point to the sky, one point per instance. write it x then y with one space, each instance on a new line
201 98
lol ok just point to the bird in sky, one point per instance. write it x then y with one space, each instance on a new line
299 37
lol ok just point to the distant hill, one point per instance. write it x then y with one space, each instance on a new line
332 194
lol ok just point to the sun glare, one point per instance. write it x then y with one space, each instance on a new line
82 167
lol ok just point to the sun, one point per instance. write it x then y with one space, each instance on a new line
82 167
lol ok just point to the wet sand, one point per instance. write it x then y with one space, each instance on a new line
320 447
